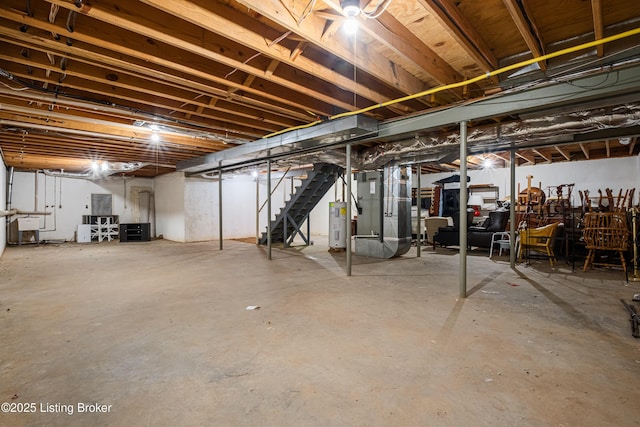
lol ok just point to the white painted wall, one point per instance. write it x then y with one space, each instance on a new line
170 211
200 209
188 208
619 173
69 198
239 206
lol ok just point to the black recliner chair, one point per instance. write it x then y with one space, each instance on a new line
450 235
480 236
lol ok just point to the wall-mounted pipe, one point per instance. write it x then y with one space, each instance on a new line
150 206
10 189
35 191
9 196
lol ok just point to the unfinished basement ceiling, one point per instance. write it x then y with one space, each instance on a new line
84 82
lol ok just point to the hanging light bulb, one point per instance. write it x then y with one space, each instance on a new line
350 25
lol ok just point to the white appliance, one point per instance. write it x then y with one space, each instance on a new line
337 225
84 233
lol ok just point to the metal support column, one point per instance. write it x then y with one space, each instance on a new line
220 202
348 200
512 209
419 211
463 209
269 206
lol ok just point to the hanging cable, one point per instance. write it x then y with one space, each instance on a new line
71 21
14 88
308 9
375 14
355 68
53 12
278 40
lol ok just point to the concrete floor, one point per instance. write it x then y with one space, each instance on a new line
160 332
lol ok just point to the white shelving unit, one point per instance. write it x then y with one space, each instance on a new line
490 195
103 227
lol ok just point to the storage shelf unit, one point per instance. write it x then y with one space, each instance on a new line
490 195
136 232
103 227
426 198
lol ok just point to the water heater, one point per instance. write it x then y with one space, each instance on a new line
337 225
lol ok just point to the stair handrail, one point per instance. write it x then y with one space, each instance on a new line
284 175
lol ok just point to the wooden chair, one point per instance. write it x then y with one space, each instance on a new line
605 231
540 240
585 201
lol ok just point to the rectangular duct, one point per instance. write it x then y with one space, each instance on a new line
314 138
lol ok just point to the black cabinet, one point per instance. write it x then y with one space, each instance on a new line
135 232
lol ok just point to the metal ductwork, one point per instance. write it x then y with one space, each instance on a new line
437 147
103 171
384 216
314 139
569 128
417 138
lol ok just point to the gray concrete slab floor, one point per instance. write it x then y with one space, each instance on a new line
158 333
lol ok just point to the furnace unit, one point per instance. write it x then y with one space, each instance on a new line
384 217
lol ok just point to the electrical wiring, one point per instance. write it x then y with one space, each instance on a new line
278 40
467 82
378 11
308 9
17 89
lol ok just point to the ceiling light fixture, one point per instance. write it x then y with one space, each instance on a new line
487 163
155 137
350 8
624 141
